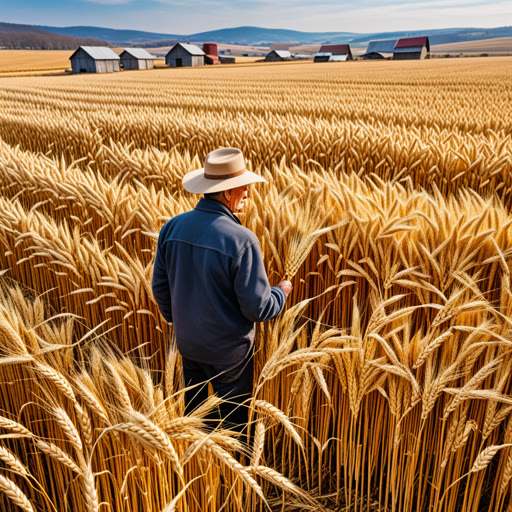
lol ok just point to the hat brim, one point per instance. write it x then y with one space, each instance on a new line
196 183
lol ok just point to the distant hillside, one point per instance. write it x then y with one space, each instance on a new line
112 35
158 43
266 36
439 36
494 46
237 35
27 37
262 36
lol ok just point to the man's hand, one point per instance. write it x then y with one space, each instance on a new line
286 286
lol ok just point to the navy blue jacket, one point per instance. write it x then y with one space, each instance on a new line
210 282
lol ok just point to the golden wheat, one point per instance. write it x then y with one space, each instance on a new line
387 204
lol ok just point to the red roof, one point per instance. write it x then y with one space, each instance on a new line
335 49
212 59
409 42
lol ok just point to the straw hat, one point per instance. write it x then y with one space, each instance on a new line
223 169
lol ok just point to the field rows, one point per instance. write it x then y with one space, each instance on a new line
384 386
451 129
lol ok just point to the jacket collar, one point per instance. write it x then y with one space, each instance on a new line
213 206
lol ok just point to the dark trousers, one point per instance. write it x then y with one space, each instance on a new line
233 385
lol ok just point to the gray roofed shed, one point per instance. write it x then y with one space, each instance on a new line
138 53
136 58
382 45
278 55
184 54
380 49
94 59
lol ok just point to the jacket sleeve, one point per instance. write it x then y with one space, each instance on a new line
160 283
257 300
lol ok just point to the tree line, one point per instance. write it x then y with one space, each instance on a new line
31 40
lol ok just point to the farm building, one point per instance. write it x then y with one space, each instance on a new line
412 48
94 59
334 53
382 49
211 53
136 58
184 54
227 59
278 55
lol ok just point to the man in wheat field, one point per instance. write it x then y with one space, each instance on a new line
210 282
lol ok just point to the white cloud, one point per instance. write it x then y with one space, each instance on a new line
395 15
441 4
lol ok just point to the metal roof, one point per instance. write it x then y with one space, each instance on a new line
409 42
335 49
99 52
382 46
190 48
284 54
138 53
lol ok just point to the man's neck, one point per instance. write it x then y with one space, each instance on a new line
222 199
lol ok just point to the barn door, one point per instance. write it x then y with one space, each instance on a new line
179 62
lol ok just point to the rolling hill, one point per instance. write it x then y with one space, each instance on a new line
258 36
113 36
495 46
237 35
265 36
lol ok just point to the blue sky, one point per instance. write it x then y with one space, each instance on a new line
186 17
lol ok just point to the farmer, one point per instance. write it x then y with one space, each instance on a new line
210 282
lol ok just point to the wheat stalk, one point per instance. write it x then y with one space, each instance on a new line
56 453
15 494
12 461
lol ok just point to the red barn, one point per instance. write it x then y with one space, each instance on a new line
333 53
412 48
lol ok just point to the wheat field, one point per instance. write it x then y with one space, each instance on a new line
33 60
386 383
494 46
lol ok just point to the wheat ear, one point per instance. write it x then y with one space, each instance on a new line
15 494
